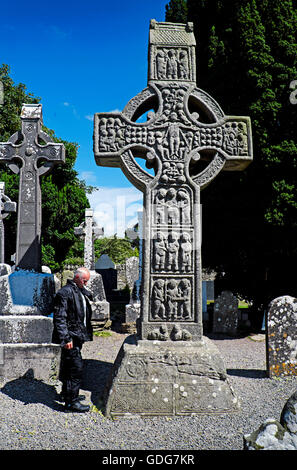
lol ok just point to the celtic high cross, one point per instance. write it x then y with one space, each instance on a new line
30 153
188 140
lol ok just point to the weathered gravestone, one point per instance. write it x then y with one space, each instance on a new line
281 337
107 269
6 208
133 308
27 293
172 369
225 314
131 268
89 231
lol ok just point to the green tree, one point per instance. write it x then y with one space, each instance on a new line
246 59
118 249
63 194
176 11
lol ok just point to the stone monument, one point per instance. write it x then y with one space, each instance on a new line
107 270
6 208
132 311
89 230
281 337
27 293
172 369
225 314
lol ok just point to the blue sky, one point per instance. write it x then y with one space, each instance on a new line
83 57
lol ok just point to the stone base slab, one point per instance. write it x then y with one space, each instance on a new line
25 329
39 361
153 378
26 293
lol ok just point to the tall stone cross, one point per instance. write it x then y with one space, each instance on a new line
30 153
90 231
7 206
188 141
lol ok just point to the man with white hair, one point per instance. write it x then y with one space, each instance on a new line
72 327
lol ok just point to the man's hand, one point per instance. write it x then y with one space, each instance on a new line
69 345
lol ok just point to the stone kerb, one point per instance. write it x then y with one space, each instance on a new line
281 337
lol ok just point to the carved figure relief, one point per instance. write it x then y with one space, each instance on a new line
172 249
172 64
172 252
172 299
185 293
183 200
159 299
172 135
186 252
172 294
160 205
172 206
177 334
160 250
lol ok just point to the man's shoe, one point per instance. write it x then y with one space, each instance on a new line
80 397
77 406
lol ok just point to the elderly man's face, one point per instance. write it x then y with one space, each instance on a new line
82 280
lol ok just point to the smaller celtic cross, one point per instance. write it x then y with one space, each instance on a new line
7 206
90 231
30 153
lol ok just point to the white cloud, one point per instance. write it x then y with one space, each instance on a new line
88 176
58 32
89 117
72 107
115 209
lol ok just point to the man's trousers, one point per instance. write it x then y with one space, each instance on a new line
71 371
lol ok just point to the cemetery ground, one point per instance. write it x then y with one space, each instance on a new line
33 418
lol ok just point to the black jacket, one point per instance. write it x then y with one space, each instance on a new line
69 315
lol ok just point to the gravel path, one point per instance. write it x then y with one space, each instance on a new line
31 417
